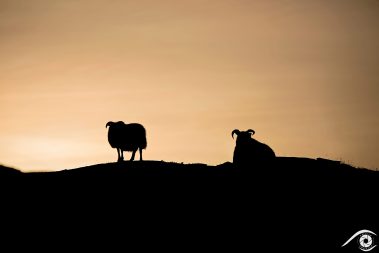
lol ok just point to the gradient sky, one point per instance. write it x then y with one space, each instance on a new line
303 74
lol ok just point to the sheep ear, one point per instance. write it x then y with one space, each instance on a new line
235 131
251 131
108 124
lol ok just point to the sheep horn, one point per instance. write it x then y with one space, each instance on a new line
108 124
235 131
251 131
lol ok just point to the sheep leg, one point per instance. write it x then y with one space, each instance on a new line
133 154
140 154
120 155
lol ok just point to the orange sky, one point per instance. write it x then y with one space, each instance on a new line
303 74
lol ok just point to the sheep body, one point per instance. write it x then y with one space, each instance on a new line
248 150
126 137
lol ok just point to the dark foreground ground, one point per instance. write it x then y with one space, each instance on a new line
290 204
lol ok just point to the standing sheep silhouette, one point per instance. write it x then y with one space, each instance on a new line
126 137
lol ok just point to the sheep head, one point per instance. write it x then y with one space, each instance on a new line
243 136
111 123
248 133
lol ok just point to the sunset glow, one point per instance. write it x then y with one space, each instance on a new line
303 74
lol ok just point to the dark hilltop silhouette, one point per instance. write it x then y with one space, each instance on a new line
275 204
316 202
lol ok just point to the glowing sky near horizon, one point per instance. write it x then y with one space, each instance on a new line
303 74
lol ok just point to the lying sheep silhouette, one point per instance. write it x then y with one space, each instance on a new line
249 150
126 137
